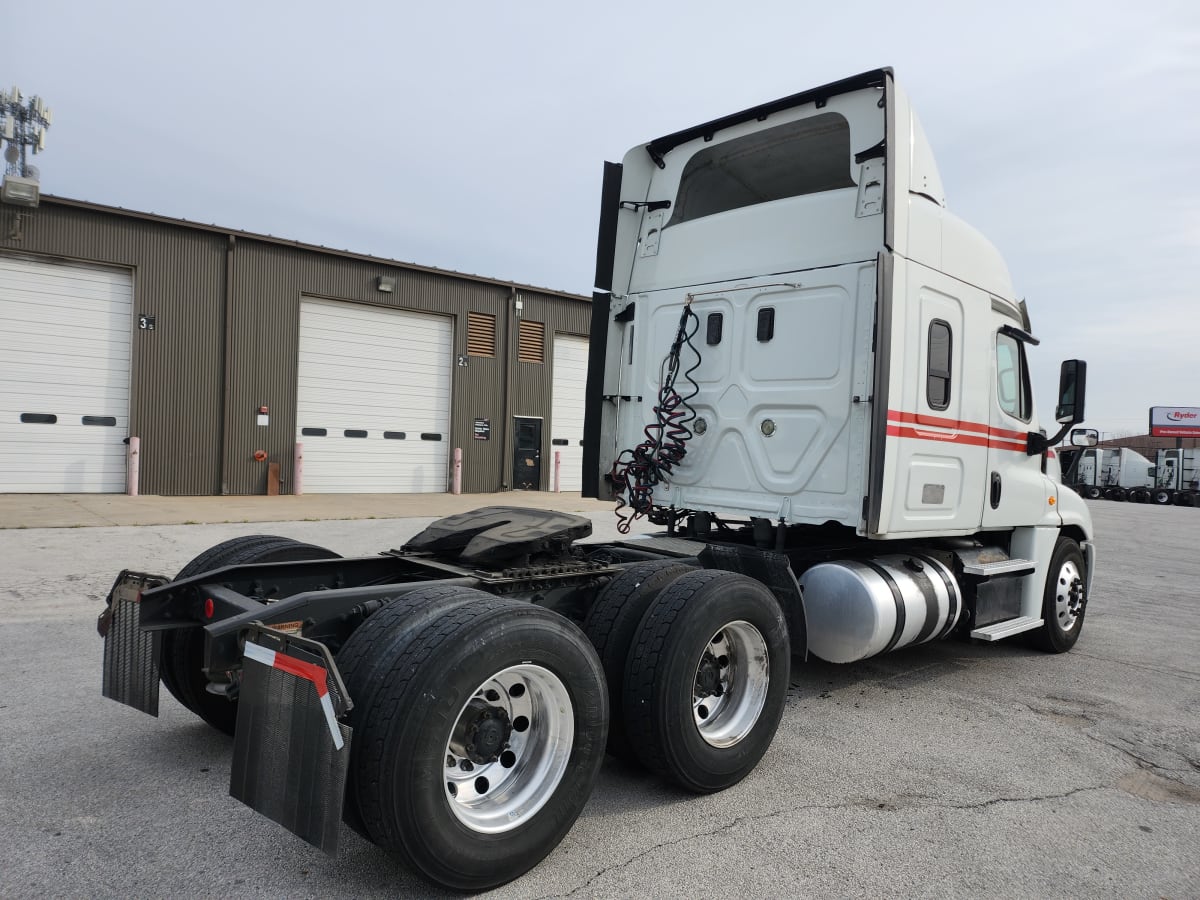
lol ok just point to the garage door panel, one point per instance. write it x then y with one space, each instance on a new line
373 369
567 408
65 340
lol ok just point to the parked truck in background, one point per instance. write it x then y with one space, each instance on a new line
1112 473
786 376
1176 477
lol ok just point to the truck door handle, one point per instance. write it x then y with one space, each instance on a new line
997 487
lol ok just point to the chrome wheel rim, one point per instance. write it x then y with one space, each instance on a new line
509 748
730 686
1068 595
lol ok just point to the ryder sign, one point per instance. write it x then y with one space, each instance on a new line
1175 421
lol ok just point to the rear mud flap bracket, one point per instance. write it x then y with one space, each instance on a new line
290 752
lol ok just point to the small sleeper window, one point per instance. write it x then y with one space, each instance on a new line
937 378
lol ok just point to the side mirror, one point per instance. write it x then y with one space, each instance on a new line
1084 437
1072 382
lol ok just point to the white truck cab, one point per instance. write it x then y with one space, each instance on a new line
790 326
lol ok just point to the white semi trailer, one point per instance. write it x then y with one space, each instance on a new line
807 370
1114 473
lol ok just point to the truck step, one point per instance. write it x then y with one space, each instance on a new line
999 567
668 546
997 631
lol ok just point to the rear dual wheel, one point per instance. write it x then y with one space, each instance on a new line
480 724
706 679
181 654
612 624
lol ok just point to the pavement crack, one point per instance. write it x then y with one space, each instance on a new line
848 804
1161 670
1037 798
1142 762
720 829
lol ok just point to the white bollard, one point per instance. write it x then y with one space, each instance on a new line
298 470
557 467
456 478
132 466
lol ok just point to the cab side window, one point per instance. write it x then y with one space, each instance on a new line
937 372
1012 378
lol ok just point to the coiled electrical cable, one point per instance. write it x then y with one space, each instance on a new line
636 472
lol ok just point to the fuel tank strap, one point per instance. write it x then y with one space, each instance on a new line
896 595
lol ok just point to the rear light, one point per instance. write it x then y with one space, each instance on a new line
209 608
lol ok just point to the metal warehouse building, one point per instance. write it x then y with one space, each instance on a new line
220 351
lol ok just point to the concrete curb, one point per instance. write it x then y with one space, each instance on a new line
86 510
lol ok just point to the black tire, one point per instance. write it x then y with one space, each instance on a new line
1185 499
1163 497
435 684
373 647
181 657
1119 494
672 657
611 624
1092 492
1064 601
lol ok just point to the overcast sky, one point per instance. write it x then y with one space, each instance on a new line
471 136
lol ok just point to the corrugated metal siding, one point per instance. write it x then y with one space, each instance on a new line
533 382
265 340
178 369
178 277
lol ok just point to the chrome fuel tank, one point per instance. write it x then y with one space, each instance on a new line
861 608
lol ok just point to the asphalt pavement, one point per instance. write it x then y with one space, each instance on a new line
952 769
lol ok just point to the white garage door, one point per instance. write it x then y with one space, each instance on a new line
566 409
64 376
373 398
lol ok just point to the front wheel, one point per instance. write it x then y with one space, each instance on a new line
706 679
1163 497
481 742
1064 600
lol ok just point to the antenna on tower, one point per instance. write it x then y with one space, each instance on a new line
23 124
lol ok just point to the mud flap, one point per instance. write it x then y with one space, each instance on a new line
290 754
130 654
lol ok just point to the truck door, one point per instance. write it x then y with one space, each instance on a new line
1016 490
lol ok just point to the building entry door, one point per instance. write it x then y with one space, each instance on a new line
527 463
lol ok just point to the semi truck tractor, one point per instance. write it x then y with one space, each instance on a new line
1176 477
807 372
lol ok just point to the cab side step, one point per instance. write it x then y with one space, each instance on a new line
999 567
997 631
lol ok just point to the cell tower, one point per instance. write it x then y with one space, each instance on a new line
23 124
